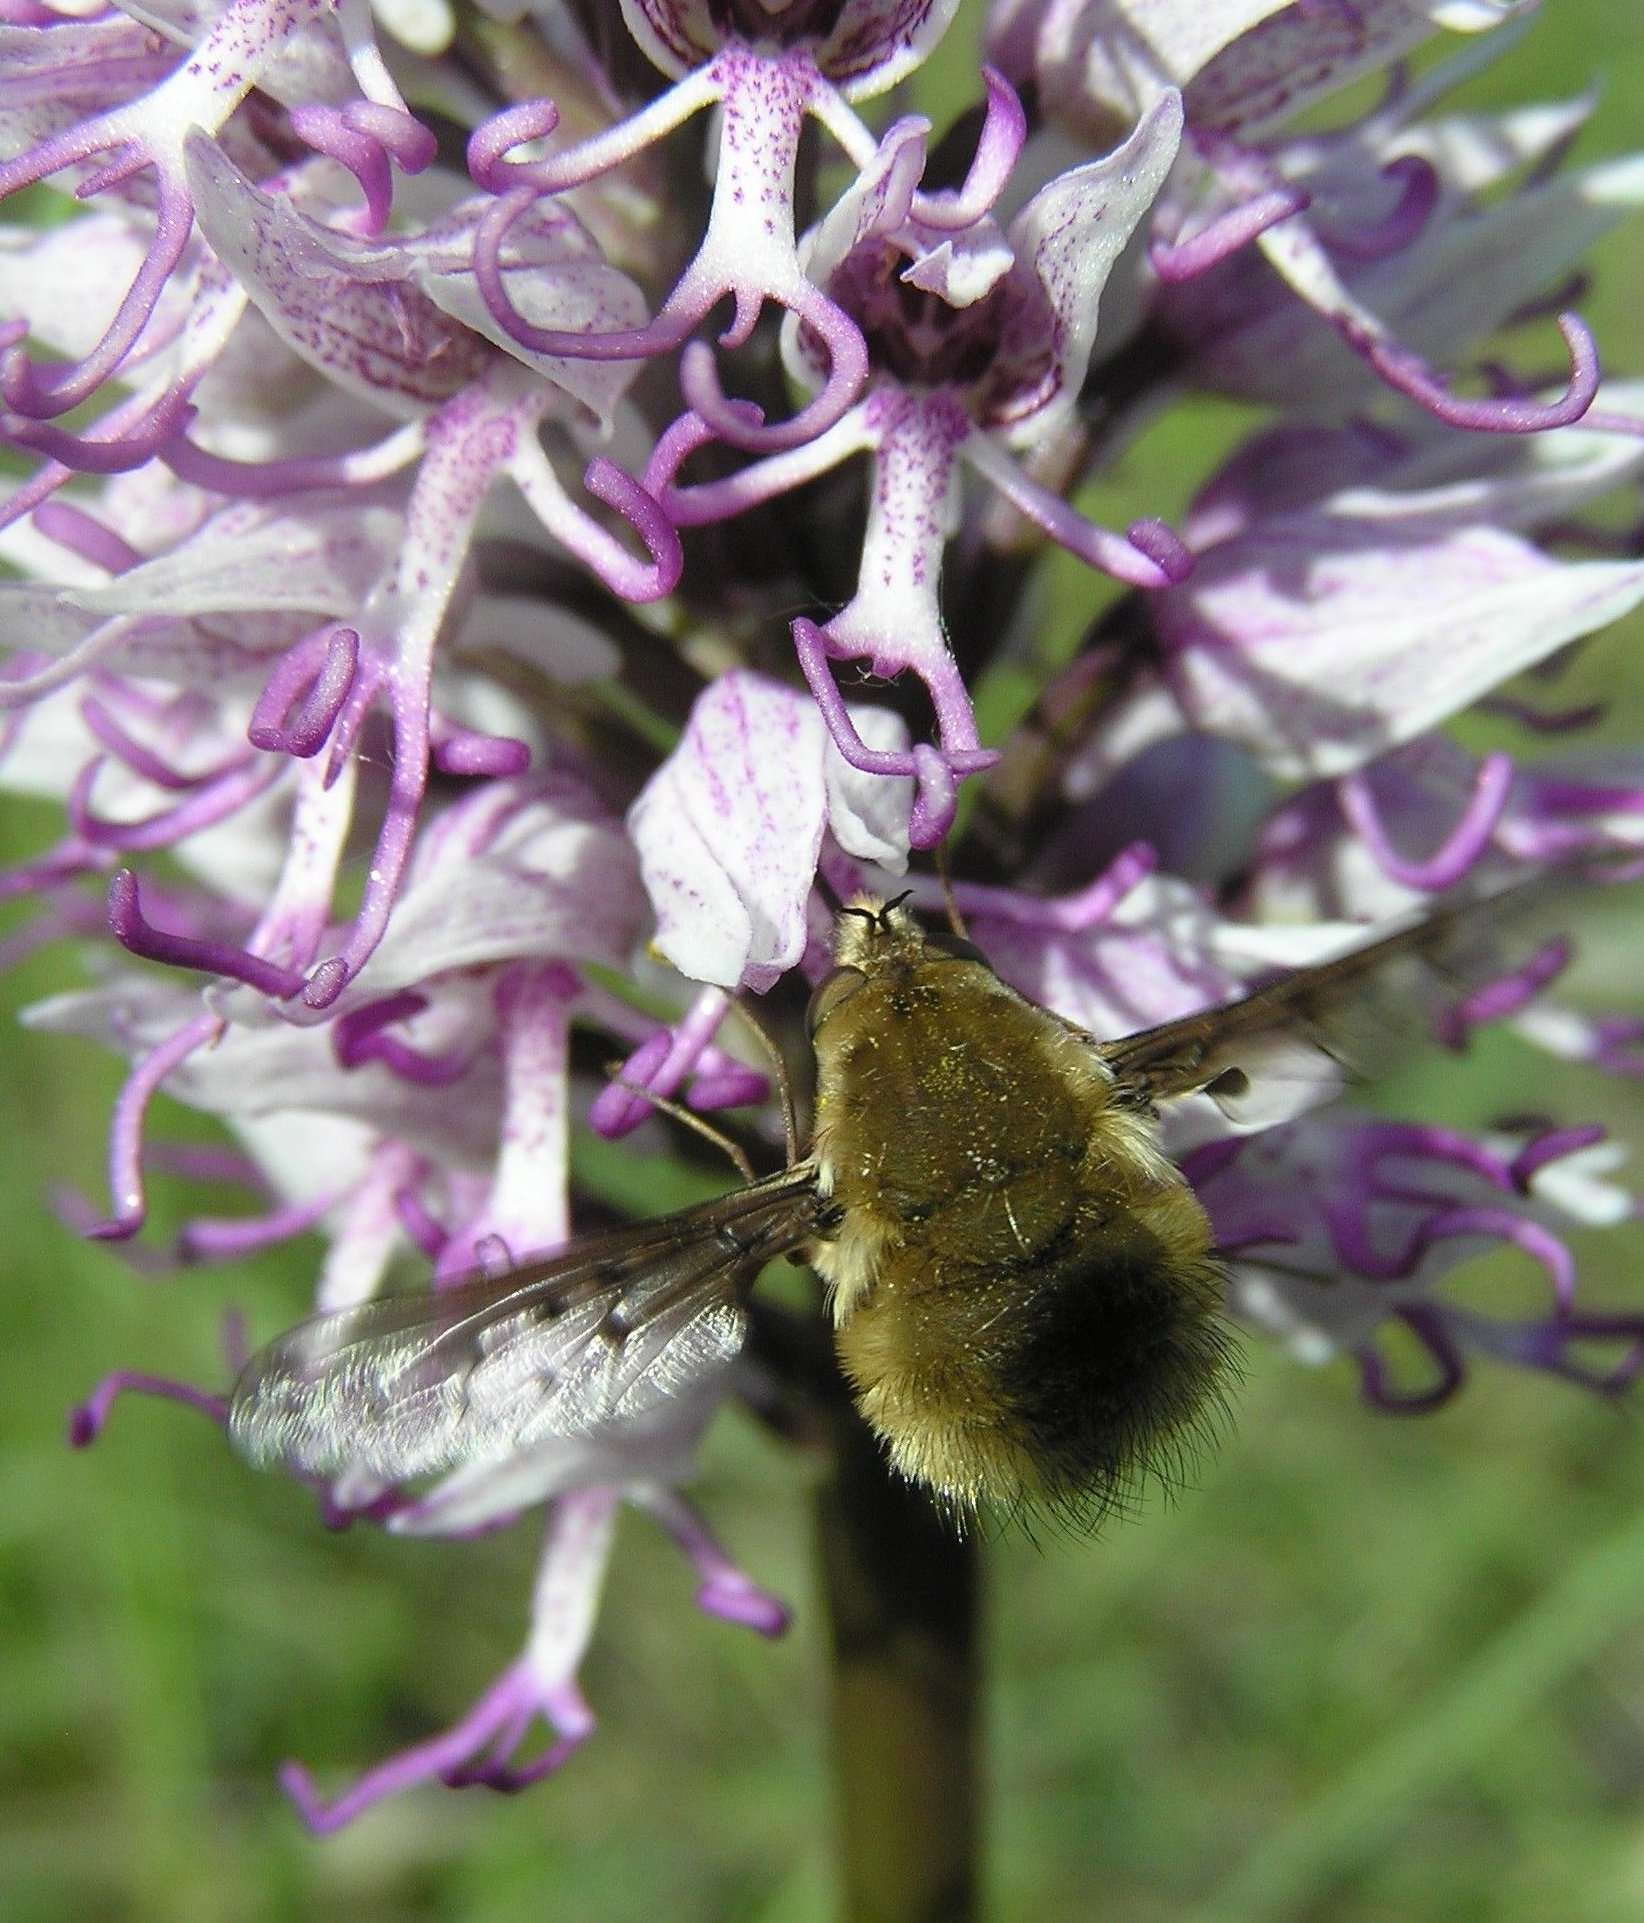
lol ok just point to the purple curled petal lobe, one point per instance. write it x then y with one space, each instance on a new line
141 937
305 693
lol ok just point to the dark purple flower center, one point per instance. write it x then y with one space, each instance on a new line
1001 348
913 334
793 25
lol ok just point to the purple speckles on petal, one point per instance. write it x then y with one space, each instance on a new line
864 46
749 250
728 832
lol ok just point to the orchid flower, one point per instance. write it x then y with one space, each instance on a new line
767 69
979 339
1359 230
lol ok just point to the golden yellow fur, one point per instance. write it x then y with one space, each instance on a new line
1001 1210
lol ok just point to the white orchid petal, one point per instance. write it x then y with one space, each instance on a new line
728 831
1320 643
319 557
868 813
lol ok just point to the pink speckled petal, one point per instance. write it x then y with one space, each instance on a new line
728 831
1066 241
1320 641
347 306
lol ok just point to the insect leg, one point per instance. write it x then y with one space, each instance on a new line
720 1140
784 1086
956 921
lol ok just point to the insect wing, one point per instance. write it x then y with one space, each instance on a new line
409 1384
1301 1040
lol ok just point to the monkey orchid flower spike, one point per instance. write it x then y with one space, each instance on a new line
482 737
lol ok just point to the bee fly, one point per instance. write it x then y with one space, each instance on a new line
1025 1291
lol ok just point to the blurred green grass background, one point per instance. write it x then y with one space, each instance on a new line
1368 1670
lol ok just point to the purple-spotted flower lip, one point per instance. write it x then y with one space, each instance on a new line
1019 310
861 46
765 91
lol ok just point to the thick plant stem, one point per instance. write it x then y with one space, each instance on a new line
903 1592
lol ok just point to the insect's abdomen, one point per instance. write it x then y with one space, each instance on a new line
1056 1376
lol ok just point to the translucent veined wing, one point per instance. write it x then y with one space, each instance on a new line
1300 1040
408 1384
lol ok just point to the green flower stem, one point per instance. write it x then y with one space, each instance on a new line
903 1595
